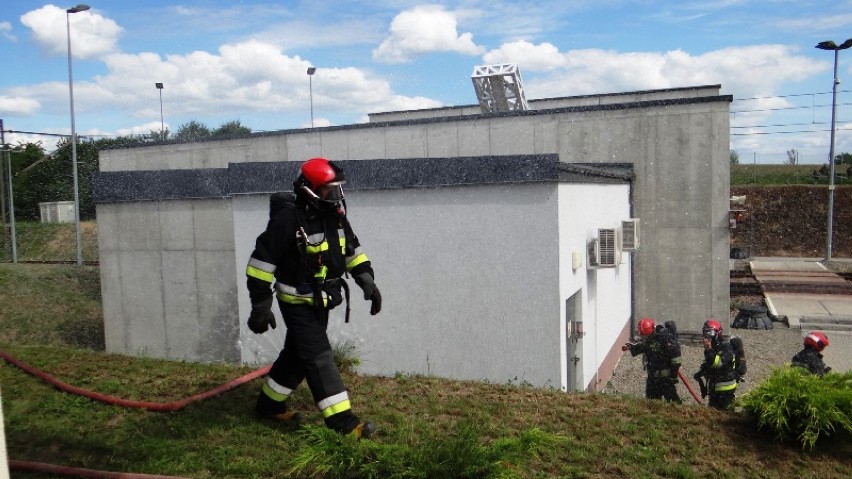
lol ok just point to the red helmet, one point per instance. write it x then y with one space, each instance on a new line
816 340
321 180
646 326
712 329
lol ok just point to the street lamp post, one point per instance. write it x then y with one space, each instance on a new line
162 127
77 9
830 45
311 71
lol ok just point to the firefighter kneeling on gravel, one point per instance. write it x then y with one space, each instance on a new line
662 359
307 247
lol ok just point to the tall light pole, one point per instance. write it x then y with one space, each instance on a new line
162 127
311 71
830 45
78 8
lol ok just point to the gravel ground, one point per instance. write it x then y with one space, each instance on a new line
765 349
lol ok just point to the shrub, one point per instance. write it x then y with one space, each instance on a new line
799 406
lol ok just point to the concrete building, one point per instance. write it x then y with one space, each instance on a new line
478 226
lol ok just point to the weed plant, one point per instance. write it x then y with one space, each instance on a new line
798 406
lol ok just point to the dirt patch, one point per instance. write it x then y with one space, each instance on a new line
791 221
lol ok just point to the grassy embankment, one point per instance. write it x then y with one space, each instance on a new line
774 175
430 427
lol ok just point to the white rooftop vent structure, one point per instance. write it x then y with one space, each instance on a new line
498 88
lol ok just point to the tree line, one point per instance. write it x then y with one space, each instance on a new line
46 177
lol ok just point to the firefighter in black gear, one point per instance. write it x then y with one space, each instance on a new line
810 357
307 247
719 367
662 359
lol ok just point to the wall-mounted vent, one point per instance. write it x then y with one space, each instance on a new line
609 247
630 234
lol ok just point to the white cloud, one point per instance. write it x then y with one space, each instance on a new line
6 31
424 29
92 35
242 80
142 129
742 71
18 106
541 57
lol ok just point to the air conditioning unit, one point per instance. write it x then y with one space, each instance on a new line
609 247
630 234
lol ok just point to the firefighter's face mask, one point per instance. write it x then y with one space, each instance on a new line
331 192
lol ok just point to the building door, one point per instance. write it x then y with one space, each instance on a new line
574 342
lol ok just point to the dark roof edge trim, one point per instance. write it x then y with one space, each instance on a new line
362 175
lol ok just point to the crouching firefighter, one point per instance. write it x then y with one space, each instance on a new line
719 367
810 357
662 358
307 247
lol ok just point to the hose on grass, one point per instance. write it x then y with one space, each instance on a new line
151 406
27 466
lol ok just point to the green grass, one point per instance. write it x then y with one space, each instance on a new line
429 427
745 174
51 241
51 319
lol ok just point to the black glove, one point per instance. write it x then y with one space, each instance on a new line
371 292
261 317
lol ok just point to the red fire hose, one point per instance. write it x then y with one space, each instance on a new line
152 406
688 386
27 466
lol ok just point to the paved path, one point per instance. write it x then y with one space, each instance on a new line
831 313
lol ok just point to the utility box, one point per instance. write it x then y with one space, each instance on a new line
57 211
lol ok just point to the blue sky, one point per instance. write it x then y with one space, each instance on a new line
247 60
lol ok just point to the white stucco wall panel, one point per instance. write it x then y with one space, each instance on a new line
436 318
446 324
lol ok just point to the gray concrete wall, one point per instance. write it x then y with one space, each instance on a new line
550 103
679 149
167 279
681 193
